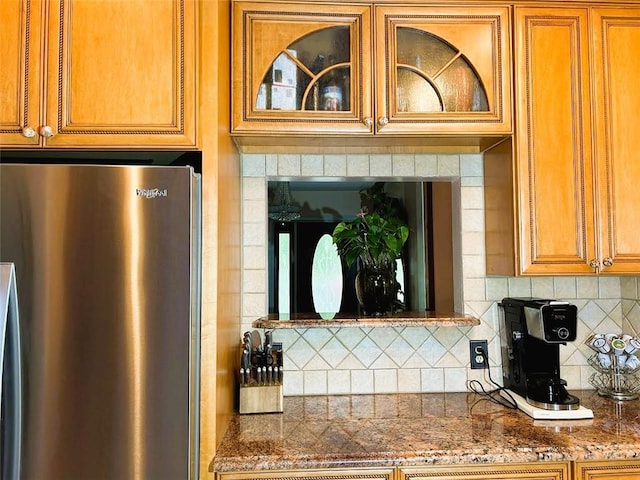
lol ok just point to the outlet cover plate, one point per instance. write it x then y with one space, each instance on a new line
477 360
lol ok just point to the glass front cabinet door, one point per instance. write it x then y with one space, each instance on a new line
301 68
443 70
363 69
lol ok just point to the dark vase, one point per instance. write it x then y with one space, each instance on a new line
377 290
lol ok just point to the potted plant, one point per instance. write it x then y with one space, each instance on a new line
374 239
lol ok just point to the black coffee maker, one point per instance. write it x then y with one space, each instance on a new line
531 332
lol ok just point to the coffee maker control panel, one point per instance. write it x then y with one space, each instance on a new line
552 322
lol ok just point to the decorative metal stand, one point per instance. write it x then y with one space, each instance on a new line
617 381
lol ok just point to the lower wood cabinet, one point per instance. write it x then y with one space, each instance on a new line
334 473
607 470
494 471
583 470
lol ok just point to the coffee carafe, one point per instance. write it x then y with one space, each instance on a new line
531 332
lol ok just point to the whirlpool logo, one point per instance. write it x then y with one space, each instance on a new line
151 192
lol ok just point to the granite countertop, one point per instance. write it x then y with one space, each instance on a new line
421 429
339 320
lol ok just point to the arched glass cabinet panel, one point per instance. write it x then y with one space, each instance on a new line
366 69
433 76
444 70
311 74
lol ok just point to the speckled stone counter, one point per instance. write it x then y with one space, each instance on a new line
421 429
340 320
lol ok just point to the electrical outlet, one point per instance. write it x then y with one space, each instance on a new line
476 348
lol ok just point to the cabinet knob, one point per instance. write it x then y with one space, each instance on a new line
368 122
382 121
28 132
607 262
47 131
595 264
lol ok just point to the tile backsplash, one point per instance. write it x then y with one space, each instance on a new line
416 359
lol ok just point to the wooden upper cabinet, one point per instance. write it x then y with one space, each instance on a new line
365 69
301 68
98 74
576 172
442 69
616 49
20 72
554 160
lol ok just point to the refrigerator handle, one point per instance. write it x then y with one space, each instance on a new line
10 375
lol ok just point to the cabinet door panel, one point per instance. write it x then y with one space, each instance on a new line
616 74
553 157
522 471
337 474
121 72
311 43
463 53
20 72
607 470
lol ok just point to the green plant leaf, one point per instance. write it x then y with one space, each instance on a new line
374 238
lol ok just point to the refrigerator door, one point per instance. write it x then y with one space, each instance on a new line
10 376
106 268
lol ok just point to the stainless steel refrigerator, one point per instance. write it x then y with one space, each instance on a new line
107 274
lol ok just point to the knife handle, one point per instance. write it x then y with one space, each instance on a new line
269 355
246 359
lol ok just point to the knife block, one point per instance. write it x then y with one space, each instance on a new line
260 398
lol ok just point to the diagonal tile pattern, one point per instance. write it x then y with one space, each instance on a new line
375 360
415 350
334 352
